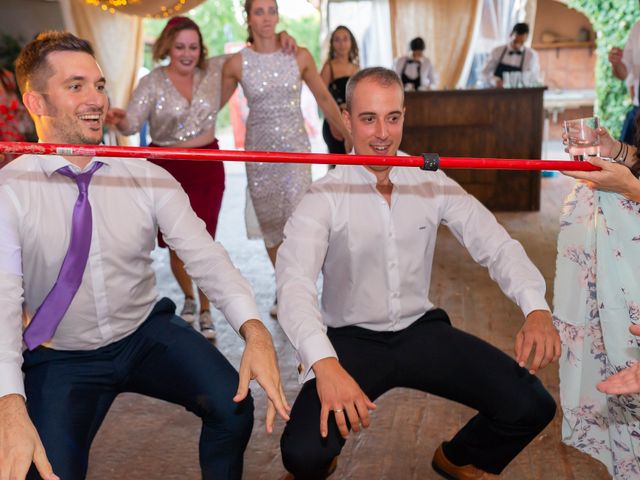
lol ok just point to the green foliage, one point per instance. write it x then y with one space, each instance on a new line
306 31
612 20
222 21
217 20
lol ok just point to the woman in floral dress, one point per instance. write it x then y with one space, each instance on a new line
596 301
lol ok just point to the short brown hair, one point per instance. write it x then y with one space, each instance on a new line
164 42
380 75
32 67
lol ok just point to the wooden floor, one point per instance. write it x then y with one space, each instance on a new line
144 438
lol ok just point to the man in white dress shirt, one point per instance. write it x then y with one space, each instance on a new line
116 335
513 57
372 232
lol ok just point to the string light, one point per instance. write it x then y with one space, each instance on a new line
170 8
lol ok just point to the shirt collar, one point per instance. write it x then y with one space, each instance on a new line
51 163
366 176
512 49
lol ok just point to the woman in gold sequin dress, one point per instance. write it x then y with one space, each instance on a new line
272 81
181 102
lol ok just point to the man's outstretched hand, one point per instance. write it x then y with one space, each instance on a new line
259 362
538 339
20 443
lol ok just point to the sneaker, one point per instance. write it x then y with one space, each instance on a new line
188 312
273 311
207 328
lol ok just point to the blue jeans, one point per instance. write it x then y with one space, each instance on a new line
70 392
628 133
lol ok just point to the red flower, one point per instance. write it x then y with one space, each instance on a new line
9 131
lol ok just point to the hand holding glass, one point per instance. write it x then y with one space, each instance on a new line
582 137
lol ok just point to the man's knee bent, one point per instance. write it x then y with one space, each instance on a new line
241 421
546 408
307 459
535 407
235 418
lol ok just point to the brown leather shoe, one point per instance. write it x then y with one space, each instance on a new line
332 467
448 470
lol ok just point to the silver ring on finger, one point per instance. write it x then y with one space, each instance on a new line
338 410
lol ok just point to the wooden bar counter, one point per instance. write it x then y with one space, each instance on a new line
496 123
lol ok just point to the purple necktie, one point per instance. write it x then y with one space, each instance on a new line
46 319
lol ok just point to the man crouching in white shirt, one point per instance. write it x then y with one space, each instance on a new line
80 255
371 230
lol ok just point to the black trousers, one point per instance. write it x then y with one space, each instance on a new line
333 145
70 392
431 356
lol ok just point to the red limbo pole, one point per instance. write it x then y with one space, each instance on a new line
427 161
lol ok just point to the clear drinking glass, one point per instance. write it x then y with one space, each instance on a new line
506 79
516 80
582 137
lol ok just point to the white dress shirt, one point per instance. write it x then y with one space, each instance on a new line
530 64
130 200
376 260
631 60
428 75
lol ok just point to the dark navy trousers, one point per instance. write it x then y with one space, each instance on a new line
70 392
432 356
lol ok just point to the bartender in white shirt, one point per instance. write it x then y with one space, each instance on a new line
372 232
81 253
415 70
513 57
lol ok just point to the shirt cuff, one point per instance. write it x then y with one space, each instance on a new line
311 350
238 312
11 380
531 300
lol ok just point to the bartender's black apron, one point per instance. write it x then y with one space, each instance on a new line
406 80
502 67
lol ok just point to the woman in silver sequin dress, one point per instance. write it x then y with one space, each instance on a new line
181 102
272 81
